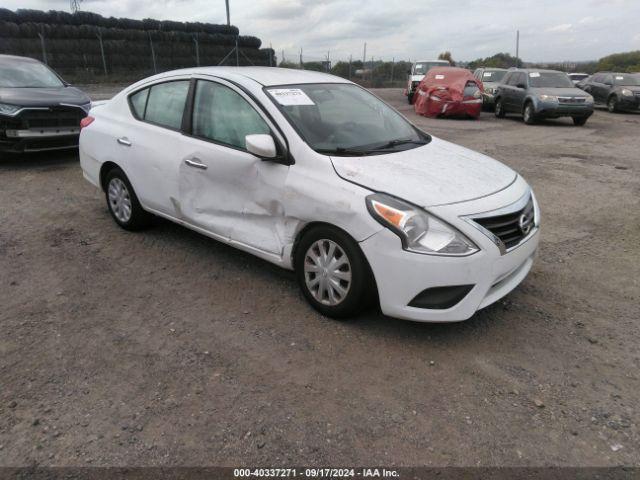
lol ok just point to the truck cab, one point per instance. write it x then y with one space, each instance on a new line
417 73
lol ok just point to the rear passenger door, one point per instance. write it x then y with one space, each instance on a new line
152 143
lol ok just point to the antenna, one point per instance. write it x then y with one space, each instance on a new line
75 6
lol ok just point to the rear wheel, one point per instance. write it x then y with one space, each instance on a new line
529 114
333 273
123 203
499 108
580 121
612 104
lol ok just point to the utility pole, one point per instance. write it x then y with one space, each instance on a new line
282 59
301 64
328 60
228 17
75 6
517 47
350 61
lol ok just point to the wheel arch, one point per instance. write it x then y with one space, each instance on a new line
105 168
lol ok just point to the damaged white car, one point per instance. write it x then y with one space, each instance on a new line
316 174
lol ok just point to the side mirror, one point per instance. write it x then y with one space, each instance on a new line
261 146
521 85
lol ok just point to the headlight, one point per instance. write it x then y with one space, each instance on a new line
627 93
6 109
419 231
589 99
548 98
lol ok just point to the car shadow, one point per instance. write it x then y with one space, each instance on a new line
28 161
371 321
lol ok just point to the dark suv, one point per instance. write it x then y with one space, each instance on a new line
537 94
618 91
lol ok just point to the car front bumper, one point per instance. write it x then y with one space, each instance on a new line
556 110
401 276
626 102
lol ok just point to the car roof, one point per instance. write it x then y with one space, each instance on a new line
526 70
16 58
266 76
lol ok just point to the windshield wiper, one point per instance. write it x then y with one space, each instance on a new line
400 141
344 151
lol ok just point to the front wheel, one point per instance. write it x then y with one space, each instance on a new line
499 108
529 114
580 121
333 273
612 104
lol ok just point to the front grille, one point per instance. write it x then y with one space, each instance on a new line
510 228
571 100
52 118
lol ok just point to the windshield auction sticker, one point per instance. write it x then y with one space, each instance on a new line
291 96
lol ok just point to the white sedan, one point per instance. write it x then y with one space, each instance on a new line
316 174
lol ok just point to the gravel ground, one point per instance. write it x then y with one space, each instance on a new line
168 348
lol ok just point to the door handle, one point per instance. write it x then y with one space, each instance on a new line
195 163
124 141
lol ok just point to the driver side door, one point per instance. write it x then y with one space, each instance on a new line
223 189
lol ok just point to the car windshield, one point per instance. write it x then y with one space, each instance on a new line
627 80
550 80
345 119
493 75
423 67
578 76
22 74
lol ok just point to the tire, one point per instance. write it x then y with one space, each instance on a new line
529 114
499 108
612 104
410 98
580 121
123 203
355 277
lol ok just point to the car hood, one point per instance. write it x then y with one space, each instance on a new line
43 97
561 92
438 173
633 88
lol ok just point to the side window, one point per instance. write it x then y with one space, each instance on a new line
507 79
165 103
522 79
608 80
139 102
222 115
597 78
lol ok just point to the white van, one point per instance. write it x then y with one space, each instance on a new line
417 73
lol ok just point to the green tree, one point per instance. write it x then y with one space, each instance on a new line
621 62
447 56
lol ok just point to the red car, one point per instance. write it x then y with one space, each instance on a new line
449 92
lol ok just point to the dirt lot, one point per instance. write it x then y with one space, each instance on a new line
168 348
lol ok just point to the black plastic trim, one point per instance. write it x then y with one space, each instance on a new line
440 298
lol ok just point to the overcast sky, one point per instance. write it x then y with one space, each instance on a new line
550 30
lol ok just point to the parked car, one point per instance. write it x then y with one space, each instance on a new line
417 73
618 91
490 79
537 94
578 77
316 174
449 91
38 110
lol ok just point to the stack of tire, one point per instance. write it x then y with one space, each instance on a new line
73 48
